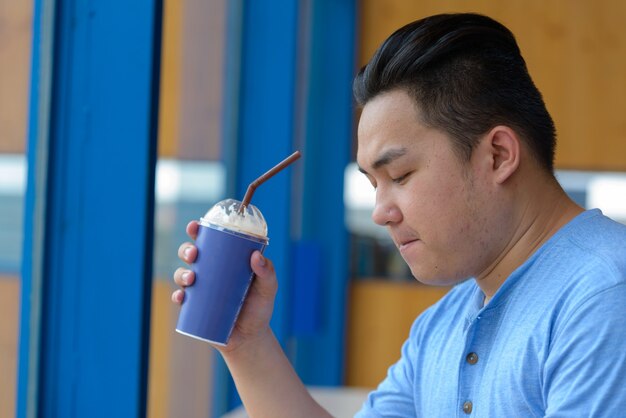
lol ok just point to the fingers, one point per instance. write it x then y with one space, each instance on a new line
178 296
184 277
192 229
187 252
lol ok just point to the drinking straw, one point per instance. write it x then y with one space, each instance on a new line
270 173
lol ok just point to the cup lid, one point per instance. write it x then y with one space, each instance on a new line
226 215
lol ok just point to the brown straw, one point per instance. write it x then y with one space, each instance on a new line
252 187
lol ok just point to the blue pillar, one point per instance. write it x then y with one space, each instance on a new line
259 126
288 86
89 209
321 275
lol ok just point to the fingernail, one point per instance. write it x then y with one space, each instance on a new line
262 261
187 252
185 277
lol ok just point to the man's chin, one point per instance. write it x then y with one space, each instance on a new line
434 280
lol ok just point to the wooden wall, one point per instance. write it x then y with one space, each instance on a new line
9 325
380 317
190 108
575 51
171 58
15 40
180 375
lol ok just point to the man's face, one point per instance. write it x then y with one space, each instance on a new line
431 202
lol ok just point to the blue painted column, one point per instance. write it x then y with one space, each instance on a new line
89 209
321 249
259 117
266 127
288 86
319 346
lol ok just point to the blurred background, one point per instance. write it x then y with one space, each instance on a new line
196 98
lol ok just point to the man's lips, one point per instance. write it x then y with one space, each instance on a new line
406 244
403 238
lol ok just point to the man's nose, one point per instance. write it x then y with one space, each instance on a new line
385 212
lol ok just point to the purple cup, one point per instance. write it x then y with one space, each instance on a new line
222 279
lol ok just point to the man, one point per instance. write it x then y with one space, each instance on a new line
458 144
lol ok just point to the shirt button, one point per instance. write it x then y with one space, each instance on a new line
472 358
467 407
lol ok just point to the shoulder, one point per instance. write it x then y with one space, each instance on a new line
590 251
600 237
580 280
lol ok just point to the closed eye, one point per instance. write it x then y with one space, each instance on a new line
401 179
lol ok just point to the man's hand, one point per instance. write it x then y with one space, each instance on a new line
254 319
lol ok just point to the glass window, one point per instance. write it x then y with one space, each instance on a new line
373 254
15 48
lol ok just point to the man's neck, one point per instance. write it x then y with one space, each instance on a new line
537 221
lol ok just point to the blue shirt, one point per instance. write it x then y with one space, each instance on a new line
550 343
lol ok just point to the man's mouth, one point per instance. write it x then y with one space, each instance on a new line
403 245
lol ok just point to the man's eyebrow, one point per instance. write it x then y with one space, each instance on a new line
386 158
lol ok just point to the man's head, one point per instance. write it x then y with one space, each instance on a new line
466 75
457 142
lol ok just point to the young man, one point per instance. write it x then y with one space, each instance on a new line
458 144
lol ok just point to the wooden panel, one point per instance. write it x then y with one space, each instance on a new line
15 47
191 372
575 51
9 314
171 57
380 315
202 79
181 368
190 113
161 333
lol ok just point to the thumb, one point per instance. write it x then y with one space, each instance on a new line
263 268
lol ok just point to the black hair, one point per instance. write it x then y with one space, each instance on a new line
466 75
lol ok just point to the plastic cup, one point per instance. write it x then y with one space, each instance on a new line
226 240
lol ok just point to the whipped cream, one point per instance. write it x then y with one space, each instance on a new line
226 215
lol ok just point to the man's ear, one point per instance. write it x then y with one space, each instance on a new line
505 147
